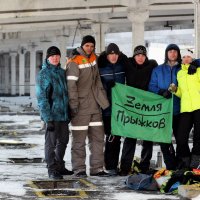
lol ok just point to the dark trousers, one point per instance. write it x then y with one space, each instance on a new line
128 152
168 151
187 120
55 146
112 146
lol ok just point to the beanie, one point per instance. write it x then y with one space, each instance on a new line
187 52
53 50
112 49
88 39
172 47
140 50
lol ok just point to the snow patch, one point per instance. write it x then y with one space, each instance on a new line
12 188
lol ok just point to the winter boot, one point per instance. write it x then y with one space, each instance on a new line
183 163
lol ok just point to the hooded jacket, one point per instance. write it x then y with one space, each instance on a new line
188 89
86 92
162 76
138 76
111 73
51 92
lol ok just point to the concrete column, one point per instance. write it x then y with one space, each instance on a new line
63 49
32 71
6 74
13 72
197 27
44 49
22 72
138 17
99 30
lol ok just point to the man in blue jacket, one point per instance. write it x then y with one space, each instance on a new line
51 90
161 78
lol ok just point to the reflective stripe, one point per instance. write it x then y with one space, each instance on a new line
112 74
79 128
95 124
81 66
75 78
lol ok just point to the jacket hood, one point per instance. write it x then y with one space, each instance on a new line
172 47
103 61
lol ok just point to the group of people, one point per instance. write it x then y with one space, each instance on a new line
81 94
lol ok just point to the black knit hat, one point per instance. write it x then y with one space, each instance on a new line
88 39
140 50
112 49
172 47
53 50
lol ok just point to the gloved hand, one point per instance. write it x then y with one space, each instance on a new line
50 126
165 93
193 67
74 112
172 88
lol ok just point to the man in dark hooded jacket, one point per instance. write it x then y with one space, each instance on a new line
111 65
138 73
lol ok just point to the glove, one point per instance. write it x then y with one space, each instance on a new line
165 93
50 126
172 88
74 111
193 67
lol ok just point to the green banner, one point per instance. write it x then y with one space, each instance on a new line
141 114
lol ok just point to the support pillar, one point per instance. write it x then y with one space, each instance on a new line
63 50
99 30
13 73
22 72
6 73
138 18
32 71
197 27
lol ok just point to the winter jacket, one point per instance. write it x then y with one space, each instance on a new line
188 89
111 73
138 76
86 92
162 76
51 92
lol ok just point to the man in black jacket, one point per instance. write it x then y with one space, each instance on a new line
138 74
111 65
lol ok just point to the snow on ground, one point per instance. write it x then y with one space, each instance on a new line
14 177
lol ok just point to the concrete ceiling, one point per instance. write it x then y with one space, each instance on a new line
44 19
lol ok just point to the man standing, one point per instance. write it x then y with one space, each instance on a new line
138 73
162 77
86 98
52 98
111 65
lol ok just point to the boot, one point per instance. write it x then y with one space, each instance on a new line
183 163
195 162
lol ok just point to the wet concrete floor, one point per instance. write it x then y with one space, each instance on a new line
23 174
